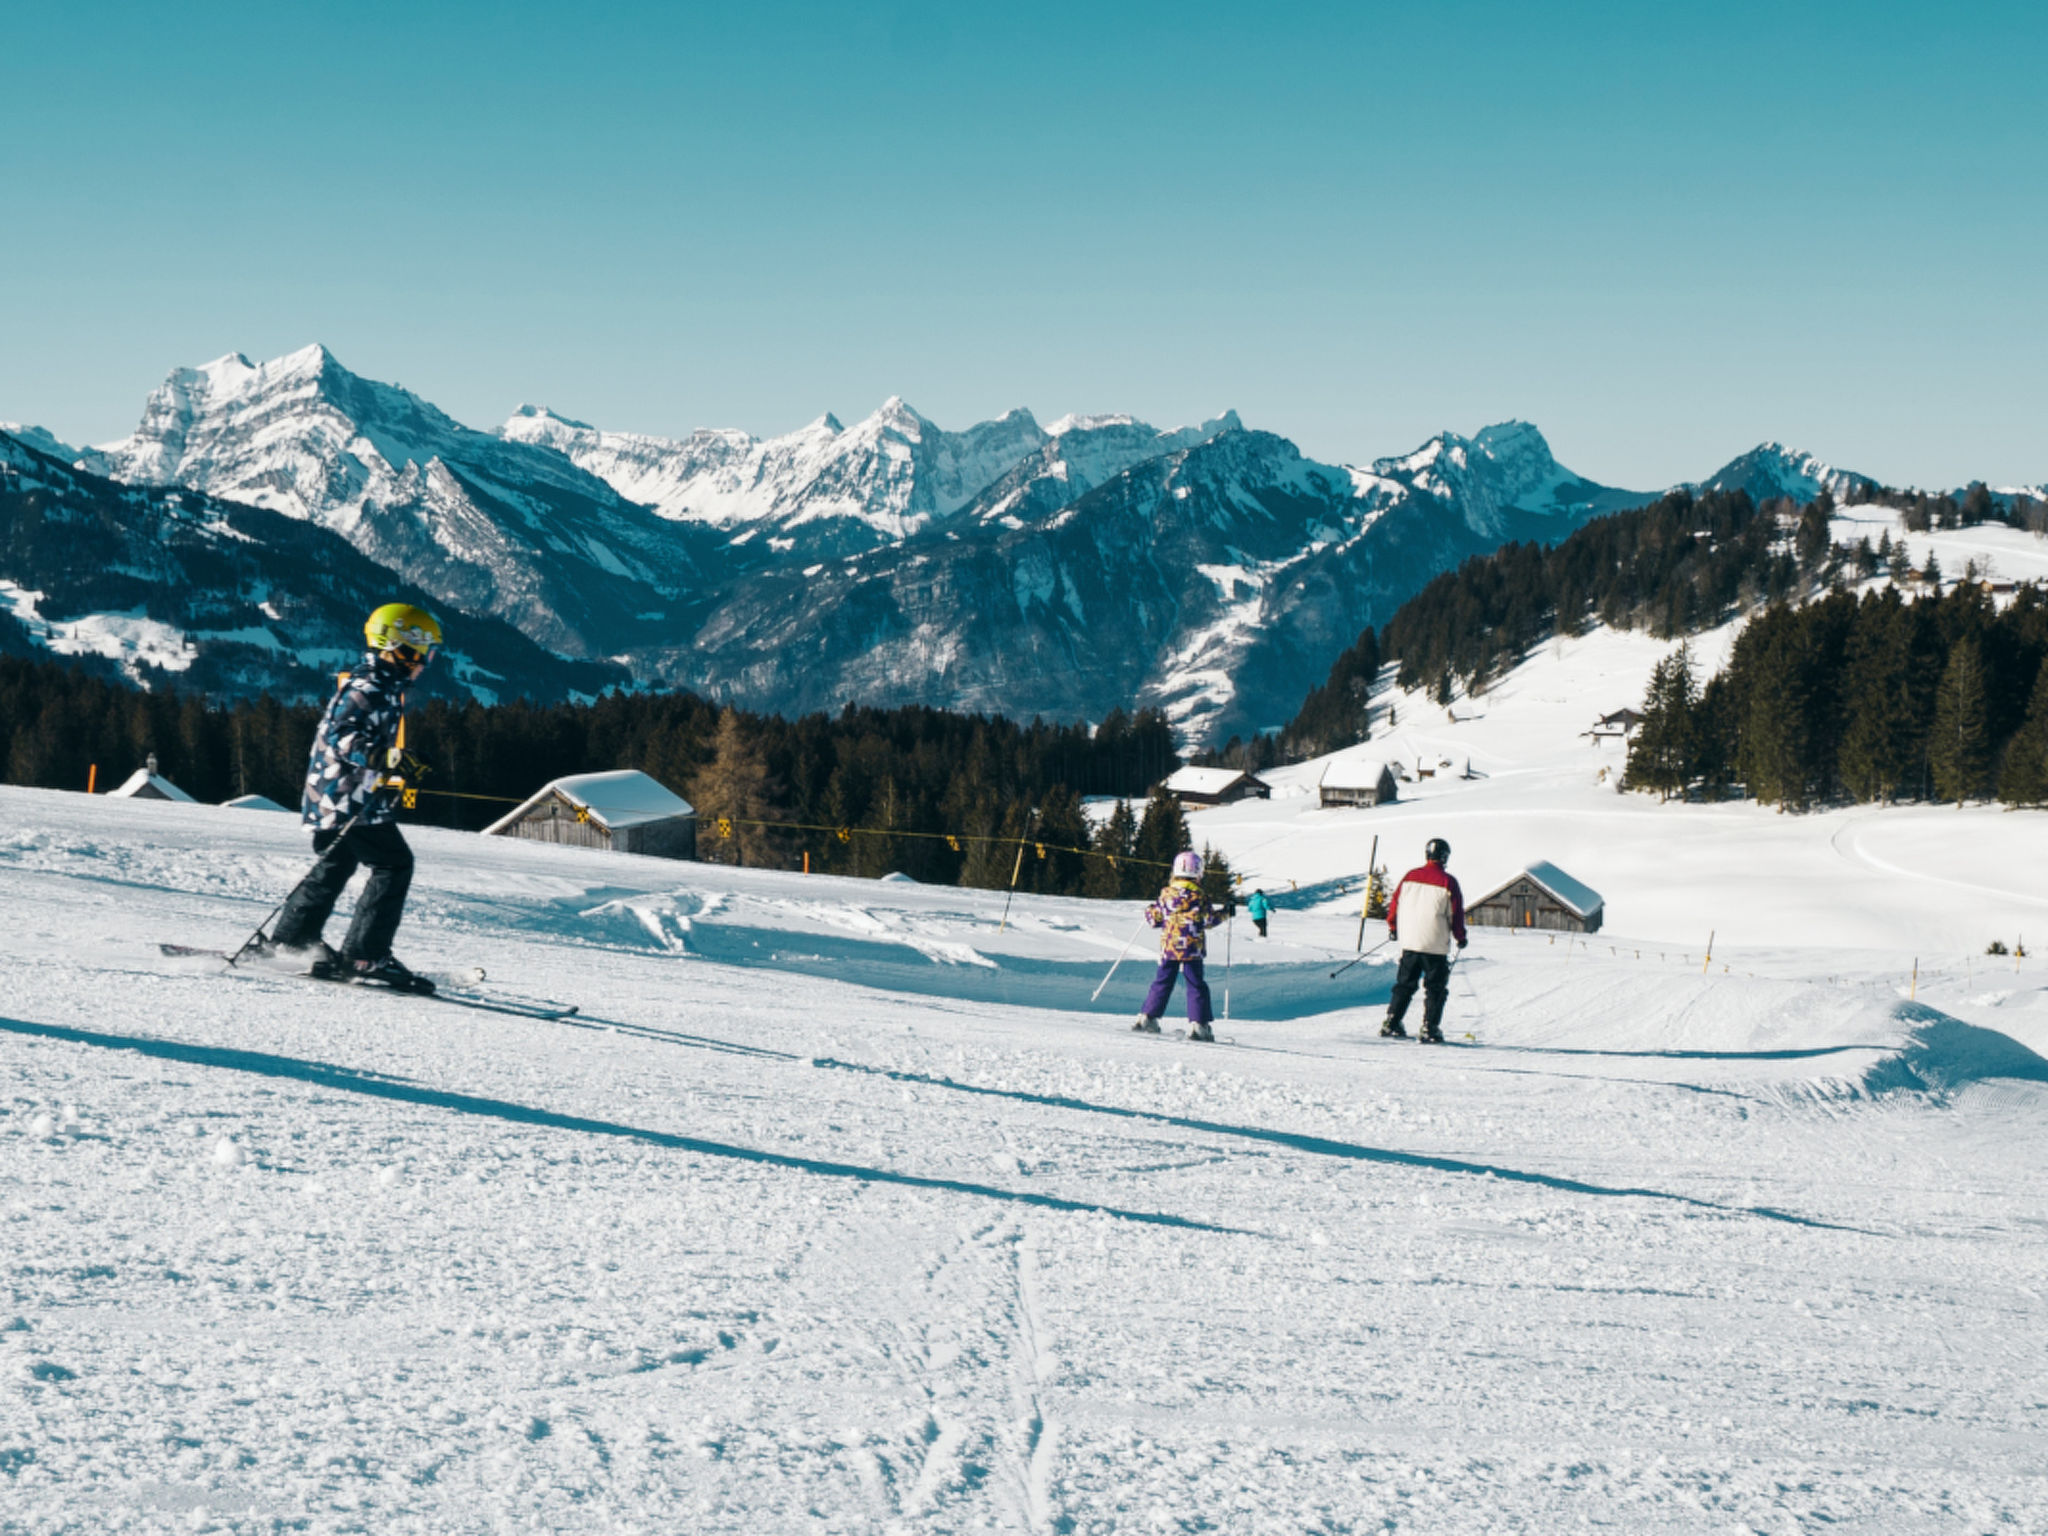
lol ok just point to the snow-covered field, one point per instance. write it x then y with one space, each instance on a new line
840 1209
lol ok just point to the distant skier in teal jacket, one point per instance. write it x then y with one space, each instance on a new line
1260 909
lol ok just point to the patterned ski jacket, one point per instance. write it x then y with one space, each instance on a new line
1184 912
359 728
1428 910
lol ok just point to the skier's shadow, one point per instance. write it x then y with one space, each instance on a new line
400 1090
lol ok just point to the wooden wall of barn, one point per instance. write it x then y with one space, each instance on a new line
1526 904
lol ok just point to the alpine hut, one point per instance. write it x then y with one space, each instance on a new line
145 783
1355 781
1541 896
1215 786
625 811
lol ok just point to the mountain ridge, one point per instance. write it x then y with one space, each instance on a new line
1066 569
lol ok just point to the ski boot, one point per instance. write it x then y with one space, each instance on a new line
1430 1035
314 959
1148 1024
1392 1029
1200 1032
386 971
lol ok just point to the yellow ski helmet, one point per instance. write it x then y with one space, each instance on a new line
412 634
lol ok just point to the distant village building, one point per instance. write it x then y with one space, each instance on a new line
1541 896
1619 726
145 783
625 811
1215 786
1355 781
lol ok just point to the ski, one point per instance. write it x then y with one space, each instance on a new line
457 987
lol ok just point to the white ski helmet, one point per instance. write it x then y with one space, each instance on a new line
1187 865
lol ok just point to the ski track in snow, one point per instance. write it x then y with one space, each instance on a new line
807 1226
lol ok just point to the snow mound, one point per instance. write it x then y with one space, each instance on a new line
1943 1055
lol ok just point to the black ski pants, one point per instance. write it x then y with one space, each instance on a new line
1431 972
379 908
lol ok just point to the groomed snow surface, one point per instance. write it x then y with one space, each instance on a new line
841 1209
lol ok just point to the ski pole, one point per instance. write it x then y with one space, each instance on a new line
1229 928
346 828
1383 943
1119 960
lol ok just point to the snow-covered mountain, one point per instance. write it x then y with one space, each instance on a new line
1213 580
1063 569
1771 470
228 598
888 477
493 526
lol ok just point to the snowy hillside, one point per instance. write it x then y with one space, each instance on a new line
841 1208
1541 787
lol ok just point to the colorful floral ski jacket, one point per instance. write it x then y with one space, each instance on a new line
1184 912
358 730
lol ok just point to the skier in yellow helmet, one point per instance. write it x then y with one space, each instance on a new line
350 805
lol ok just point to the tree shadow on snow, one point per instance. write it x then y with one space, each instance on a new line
348 1080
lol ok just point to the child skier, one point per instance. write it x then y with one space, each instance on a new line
1185 914
1430 908
352 815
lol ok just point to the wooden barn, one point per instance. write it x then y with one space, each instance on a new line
1355 781
145 783
625 811
1215 786
1541 896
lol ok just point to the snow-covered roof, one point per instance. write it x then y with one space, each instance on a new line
145 784
1203 781
254 803
624 797
1353 773
1582 899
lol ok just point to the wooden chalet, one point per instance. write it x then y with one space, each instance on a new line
625 811
1541 896
1355 781
1214 786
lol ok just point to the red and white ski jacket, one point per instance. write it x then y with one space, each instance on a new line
1428 910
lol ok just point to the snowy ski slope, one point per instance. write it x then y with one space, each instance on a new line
840 1209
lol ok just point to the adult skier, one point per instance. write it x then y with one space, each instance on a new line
350 802
1260 909
1426 914
1185 915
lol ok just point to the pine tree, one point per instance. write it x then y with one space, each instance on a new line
1879 752
1661 756
731 793
1110 871
1959 746
875 853
1162 833
2024 780
1061 826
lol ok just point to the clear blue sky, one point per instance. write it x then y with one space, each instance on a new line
1661 232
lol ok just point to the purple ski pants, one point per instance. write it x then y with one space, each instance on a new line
1162 988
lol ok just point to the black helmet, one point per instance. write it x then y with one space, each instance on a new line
1437 851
